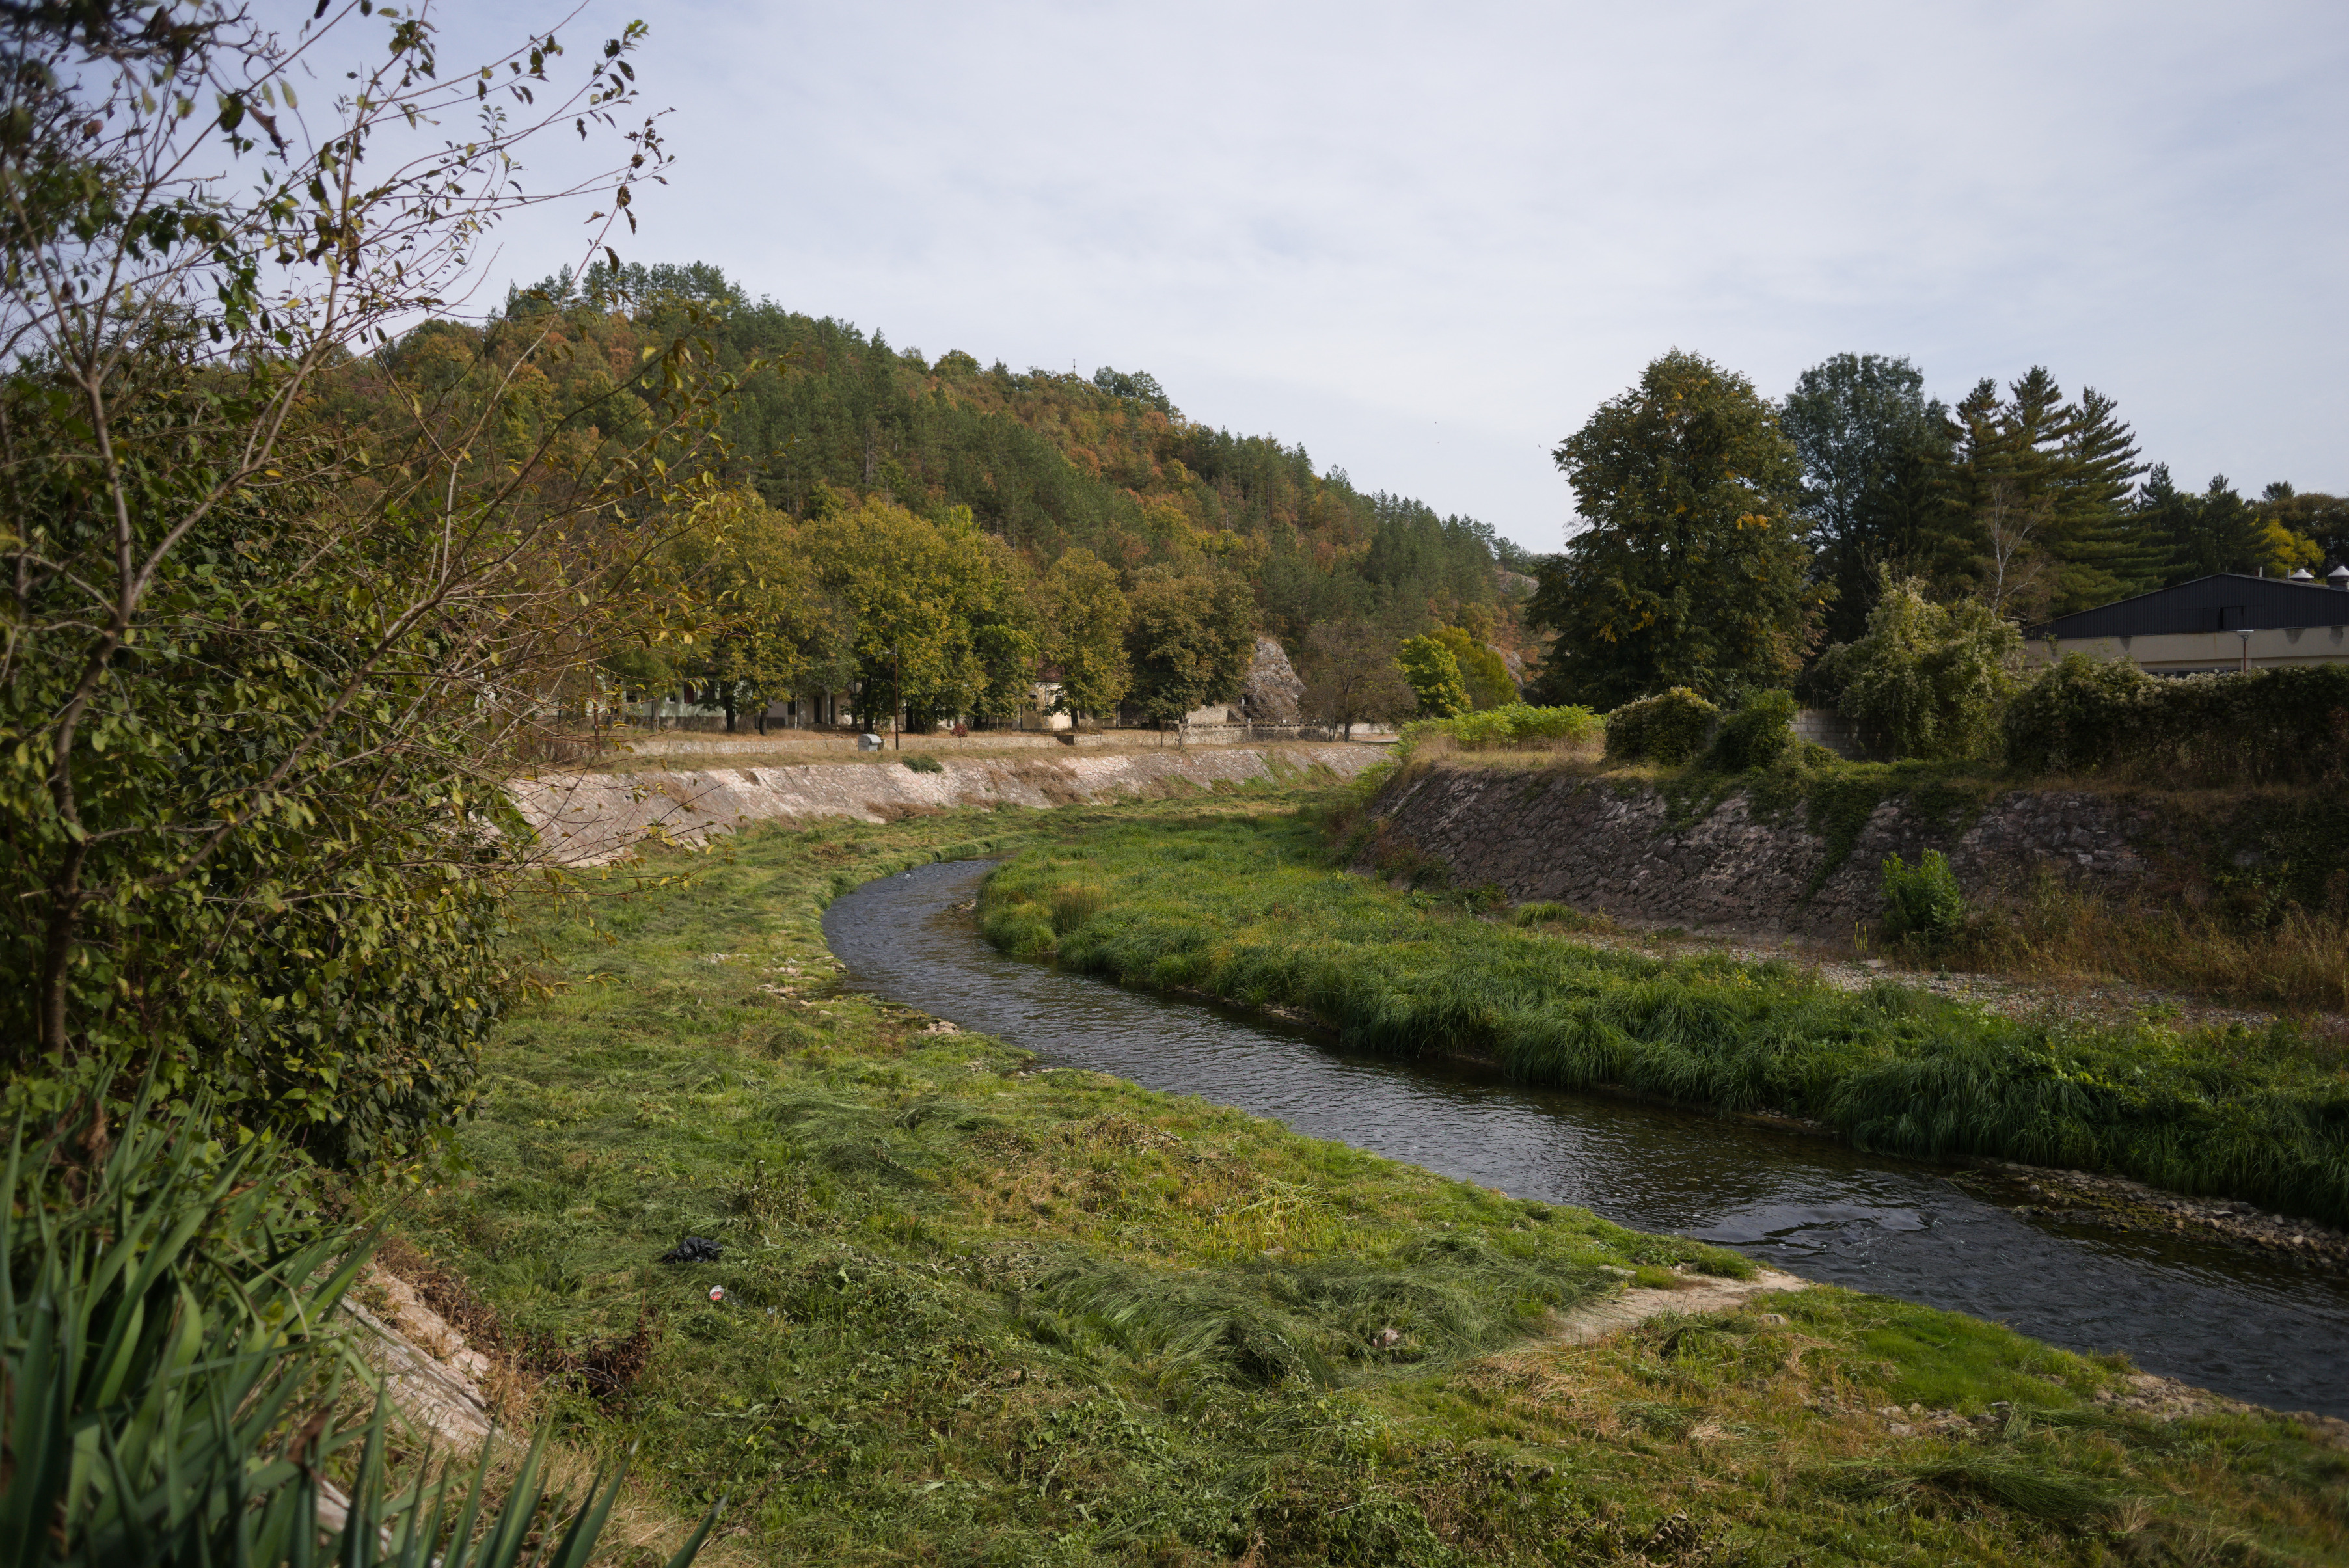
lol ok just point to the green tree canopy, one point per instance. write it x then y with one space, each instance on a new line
1190 638
1433 675
1692 569
936 611
767 626
1874 452
1085 617
1484 674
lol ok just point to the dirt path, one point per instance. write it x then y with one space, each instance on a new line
1637 1304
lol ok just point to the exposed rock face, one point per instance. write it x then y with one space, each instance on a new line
1615 849
586 819
1273 689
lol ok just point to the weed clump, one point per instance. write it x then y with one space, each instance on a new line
921 762
1922 901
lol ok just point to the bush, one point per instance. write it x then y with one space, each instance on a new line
1670 726
1758 734
1927 680
1517 724
919 763
2278 726
1924 900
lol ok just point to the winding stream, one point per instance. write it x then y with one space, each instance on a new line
2229 1321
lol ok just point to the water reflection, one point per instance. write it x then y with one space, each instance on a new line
2237 1324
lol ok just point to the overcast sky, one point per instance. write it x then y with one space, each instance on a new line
1426 240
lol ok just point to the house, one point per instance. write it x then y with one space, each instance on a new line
2225 623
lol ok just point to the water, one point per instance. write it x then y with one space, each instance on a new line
2237 1323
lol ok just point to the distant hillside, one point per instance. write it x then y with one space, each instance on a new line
1048 461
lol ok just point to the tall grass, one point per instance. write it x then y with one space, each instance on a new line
2285 956
1241 909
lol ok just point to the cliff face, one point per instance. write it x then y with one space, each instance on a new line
1623 849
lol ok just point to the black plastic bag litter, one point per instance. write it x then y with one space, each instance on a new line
692 1250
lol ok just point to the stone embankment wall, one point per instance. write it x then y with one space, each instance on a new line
1612 847
586 819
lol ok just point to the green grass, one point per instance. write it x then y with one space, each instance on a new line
979 1314
1244 907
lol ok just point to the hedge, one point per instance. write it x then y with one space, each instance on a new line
2272 726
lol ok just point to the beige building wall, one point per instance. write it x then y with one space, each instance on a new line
2180 653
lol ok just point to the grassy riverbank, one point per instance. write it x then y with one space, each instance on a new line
975 1313
1248 909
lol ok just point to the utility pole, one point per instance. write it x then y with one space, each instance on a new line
897 697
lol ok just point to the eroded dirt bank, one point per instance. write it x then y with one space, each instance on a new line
586 819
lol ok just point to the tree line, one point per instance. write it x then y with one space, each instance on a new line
1731 542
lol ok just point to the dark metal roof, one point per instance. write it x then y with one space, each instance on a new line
2229 603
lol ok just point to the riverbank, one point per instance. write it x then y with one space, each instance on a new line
1249 911
968 1311
587 818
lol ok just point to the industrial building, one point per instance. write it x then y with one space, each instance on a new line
2224 622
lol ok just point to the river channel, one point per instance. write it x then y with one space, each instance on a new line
2223 1319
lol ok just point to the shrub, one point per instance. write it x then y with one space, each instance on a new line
1927 680
919 763
2081 714
1758 734
2278 726
1924 900
1517 724
1670 726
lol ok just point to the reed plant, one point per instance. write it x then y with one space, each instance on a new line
1245 910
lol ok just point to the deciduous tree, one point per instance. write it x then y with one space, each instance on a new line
1085 617
1189 639
1433 675
1690 569
1351 676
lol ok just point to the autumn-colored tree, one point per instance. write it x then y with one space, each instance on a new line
1085 617
1692 570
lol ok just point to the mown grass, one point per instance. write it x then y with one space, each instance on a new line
976 1313
1243 907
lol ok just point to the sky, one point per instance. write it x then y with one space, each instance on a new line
1425 241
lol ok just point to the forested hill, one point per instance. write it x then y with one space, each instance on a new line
1048 461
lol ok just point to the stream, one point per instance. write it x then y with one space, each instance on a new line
2229 1320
